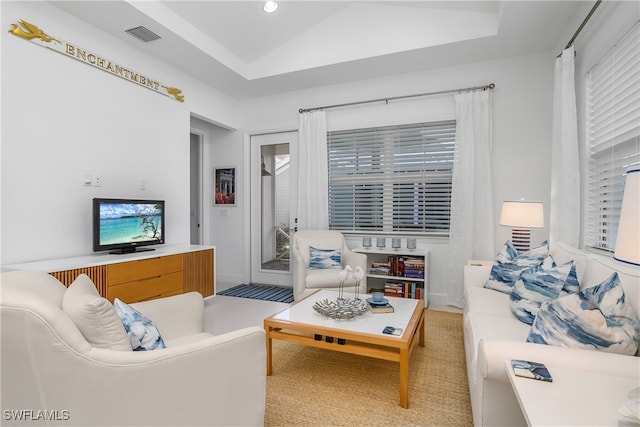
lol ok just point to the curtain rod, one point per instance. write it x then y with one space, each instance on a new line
393 98
584 22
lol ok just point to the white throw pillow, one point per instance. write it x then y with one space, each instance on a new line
95 317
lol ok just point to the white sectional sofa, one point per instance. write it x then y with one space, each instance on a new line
493 335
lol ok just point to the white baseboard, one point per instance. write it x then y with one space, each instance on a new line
227 281
437 299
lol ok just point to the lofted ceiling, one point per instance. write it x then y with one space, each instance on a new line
244 52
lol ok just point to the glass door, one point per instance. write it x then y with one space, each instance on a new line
272 205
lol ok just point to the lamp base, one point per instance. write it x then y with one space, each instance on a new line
521 239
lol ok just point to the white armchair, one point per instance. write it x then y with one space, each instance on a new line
306 279
51 369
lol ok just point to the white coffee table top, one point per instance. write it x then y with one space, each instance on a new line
369 323
574 398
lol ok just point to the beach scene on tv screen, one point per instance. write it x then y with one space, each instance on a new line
130 223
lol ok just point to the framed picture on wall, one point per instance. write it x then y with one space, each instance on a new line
225 186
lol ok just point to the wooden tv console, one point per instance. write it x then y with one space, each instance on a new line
168 270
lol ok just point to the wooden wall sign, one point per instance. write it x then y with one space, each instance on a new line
32 33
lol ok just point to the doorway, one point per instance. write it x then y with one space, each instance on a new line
195 192
272 207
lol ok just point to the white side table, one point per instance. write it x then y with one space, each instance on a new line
574 398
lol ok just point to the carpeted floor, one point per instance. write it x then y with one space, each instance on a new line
317 387
260 292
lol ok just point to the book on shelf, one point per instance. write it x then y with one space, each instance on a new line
396 265
378 267
414 262
394 289
403 266
414 274
401 290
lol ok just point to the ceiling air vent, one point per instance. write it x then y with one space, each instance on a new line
144 34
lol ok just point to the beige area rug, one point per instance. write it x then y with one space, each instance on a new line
317 387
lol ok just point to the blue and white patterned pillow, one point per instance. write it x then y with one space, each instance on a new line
510 264
324 258
142 333
537 285
571 286
596 318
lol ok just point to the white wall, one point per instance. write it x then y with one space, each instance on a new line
227 229
522 127
62 119
223 226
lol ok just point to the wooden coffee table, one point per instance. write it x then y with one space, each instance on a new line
301 324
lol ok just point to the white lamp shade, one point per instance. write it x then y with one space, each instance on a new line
628 240
522 214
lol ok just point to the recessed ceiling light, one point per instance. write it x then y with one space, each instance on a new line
270 6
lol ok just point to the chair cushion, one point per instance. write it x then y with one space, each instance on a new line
95 317
325 278
324 258
142 333
595 318
483 326
481 300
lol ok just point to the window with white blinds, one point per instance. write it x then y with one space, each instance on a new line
613 136
391 179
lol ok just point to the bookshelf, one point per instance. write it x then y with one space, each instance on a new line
400 273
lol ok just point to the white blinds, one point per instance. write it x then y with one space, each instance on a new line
613 136
391 179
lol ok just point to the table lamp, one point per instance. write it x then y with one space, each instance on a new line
522 216
628 240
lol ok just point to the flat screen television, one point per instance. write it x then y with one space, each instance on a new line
127 225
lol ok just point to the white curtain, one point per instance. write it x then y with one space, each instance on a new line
565 164
313 200
472 222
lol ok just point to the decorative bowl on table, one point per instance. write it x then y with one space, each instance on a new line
341 308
